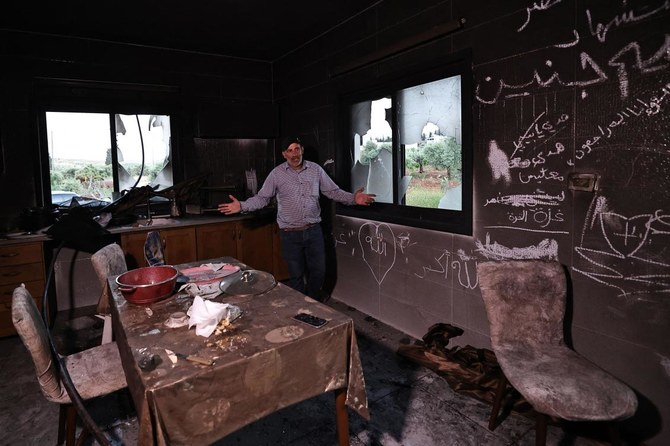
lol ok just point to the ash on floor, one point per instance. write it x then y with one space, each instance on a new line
409 404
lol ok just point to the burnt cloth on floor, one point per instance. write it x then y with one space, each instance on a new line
468 370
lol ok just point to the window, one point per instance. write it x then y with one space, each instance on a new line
94 156
409 143
99 139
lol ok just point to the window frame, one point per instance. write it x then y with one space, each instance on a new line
458 222
81 96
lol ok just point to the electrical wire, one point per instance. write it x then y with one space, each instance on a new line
139 129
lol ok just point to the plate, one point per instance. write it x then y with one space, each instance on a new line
205 274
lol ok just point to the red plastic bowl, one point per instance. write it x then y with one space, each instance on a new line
147 285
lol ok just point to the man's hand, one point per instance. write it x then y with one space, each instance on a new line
230 208
363 199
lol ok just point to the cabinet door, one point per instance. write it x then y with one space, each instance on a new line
178 245
132 244
19 263
217 240
255 245
279 266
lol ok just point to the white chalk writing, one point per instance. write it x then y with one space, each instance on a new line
537 81
600 30
546 231
499 163
637 109
465 267
378 247
546 249
527 200
638 241
439 267
621 61
538 131
544 174
541 216
403 241
466 270
543 5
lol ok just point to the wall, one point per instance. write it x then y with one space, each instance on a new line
564 71
216 97
561 87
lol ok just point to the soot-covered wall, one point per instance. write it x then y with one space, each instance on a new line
561 88
212 97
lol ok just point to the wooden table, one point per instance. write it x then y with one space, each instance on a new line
263 362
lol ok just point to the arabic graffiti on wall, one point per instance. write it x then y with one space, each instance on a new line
629 59
618 131
625 252
628 115
381 248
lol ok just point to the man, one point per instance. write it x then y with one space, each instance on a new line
297 183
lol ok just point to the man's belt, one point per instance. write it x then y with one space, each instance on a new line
300 228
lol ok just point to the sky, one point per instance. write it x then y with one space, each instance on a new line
86 136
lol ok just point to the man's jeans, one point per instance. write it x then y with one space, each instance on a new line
305 254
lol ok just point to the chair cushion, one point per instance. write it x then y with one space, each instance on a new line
525 299
560 382
96 371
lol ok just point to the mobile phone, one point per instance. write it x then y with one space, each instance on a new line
310 319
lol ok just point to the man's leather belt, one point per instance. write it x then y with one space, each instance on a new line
301 228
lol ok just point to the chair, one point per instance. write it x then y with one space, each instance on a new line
107 261
94 372
525 303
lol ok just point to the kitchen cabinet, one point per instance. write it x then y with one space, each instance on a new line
216 240
179 246
253 241
255 245
19 263
249 241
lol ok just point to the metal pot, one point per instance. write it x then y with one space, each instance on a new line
147 285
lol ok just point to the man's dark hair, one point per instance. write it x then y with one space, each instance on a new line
287 141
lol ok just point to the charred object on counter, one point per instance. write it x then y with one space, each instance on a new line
78 230
36 218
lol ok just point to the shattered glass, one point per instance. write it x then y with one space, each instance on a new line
428 146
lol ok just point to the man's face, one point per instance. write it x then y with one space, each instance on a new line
293 155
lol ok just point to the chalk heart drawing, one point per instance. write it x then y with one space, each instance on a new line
625 235
378 247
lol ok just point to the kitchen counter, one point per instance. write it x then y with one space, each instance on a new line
251 238
142 225
176 222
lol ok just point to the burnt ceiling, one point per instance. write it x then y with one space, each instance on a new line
253 29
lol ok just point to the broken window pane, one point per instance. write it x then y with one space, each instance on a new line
428 147
429 121
372 147
143 143
80 154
